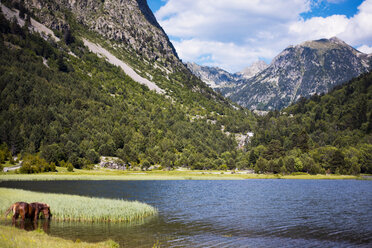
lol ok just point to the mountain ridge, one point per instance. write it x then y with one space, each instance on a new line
312 67
253 69
114 20
69 98
64 103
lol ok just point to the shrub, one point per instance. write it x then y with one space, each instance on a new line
35 164
145 165
5 153
92 156
70 167
298 173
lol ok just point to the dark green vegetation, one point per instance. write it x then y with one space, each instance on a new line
328 133
72 109
78 108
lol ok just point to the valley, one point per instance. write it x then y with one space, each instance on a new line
101 118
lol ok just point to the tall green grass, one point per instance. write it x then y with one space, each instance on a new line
11 237
80 208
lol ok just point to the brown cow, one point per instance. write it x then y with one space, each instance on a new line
30 211
20 208
40 207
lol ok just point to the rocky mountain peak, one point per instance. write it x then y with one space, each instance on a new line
213 76
326 44
130 23
253 69
337 40
312 67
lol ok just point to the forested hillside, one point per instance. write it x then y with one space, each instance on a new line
70 105
65 104
327 133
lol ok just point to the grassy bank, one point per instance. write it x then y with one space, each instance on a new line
11 237
107 174
80 208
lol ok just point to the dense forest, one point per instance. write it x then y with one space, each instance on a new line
329 133
67 107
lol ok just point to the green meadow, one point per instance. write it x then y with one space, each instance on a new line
109 174
12 237
80 208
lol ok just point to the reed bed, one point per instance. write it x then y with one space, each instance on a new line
80 208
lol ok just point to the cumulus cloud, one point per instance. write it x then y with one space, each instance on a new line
365 49
318 27
234 33
356 30
220 54
359 29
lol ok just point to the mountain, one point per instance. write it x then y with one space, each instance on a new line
130 23
72 91
84 79
253 69
127 29
221 80
330 133
313 67
213 76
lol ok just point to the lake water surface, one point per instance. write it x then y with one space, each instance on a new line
247 213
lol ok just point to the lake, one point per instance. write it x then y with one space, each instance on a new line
247 213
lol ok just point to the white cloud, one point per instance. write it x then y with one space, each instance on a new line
223 55
233 33
318 27
359 29
356 30
365 49
226 19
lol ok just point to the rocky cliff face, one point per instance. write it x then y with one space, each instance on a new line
312 67
215 77
218 78
128 22
253 69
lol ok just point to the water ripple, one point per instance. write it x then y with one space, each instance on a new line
250 213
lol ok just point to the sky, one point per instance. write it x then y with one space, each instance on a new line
232 34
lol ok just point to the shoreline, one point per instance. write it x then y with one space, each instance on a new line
107 174
14 237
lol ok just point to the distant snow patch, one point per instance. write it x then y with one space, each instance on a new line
100 51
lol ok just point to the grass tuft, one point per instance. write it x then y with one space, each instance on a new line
80 208
14 238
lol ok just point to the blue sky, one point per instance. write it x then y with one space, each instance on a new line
232 34
325 8
155 4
